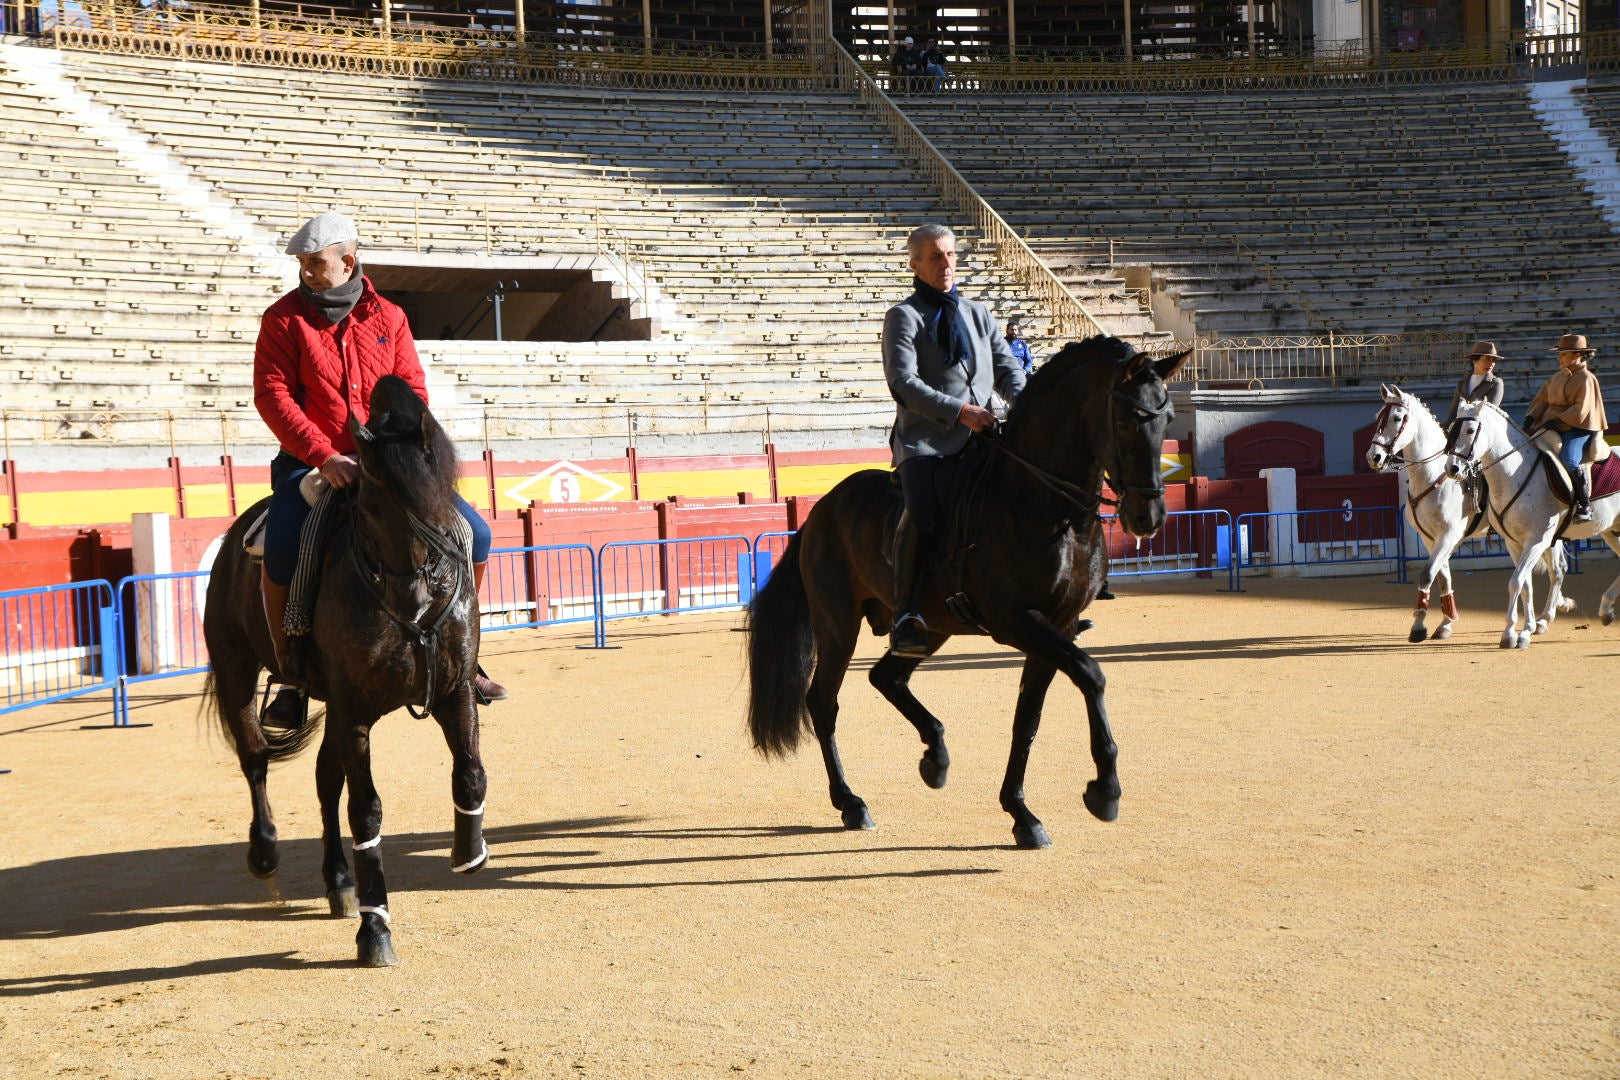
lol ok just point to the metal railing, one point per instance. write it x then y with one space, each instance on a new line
159 631
1340 537
1190 542
543 585
664 577
57 642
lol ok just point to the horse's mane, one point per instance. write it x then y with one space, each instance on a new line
419 455
1420 403
1074 355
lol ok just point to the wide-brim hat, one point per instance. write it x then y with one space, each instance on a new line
1573 343
1484 348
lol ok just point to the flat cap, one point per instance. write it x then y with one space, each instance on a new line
321 232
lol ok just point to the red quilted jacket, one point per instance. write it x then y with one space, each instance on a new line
309 375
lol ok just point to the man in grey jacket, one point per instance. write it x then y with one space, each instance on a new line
942 357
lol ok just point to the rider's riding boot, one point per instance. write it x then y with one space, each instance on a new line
287 710
909 635
1583 507
483 686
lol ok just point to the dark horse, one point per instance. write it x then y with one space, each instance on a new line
1031 551
395 622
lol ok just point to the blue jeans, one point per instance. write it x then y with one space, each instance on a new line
1574 448
939 76
288 511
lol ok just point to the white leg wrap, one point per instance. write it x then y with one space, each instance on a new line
477 812
476 861
376 911
373 842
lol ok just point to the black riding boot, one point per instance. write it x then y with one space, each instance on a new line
1583 505
909 635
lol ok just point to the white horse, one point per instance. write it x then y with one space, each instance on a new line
1438 507
1524 507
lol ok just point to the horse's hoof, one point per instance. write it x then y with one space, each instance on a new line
1541 626
343 903
1523 642
1443 632
1419 633
1509 641
1031 837
1103 806
376 944
1606 618
263 864
474 865
856 817
933 773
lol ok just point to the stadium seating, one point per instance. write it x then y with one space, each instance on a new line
1383 219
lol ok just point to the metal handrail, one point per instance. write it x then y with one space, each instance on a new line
1070 317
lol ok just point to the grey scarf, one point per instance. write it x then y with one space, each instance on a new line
336 303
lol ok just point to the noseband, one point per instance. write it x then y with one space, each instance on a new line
447 544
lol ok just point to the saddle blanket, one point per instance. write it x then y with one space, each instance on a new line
1606 476
310 487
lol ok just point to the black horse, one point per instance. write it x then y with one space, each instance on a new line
1027 551
395 622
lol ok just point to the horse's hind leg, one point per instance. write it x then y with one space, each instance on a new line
340 890
234 686
891 675
458 719
833 652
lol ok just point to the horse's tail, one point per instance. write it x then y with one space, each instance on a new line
781 656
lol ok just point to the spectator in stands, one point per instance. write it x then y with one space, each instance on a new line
934 64
1481 384
942 358
908 64
1019 347
321 349
1571 403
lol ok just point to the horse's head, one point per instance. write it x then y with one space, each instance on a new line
402 449
1139 414
1390 435
1464 440
1100 406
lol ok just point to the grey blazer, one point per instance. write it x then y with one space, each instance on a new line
929 392
1489 389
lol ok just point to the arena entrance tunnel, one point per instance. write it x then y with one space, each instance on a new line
482 298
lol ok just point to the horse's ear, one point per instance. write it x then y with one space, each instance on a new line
1167 366
1135 365
1392 393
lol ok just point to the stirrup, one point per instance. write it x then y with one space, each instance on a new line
909 635
1583 512
289 710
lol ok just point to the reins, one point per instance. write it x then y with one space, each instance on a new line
450 543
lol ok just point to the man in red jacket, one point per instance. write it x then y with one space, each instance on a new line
321 349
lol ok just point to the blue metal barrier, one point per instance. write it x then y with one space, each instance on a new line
662 577
548 585
767 548
1319 538
159 631
59 641
1191 542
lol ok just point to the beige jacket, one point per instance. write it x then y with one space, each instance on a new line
1570 399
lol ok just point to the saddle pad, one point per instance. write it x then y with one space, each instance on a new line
310 487
1606 476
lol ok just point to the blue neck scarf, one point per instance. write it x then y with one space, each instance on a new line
949 328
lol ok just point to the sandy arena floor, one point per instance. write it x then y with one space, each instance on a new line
1338 855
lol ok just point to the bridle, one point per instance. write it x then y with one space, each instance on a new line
444 545
1089 502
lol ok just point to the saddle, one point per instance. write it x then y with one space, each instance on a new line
311 487
1601 464
961 505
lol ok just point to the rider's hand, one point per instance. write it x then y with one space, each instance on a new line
976 417
340 470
